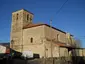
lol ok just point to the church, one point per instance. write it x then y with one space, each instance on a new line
42 39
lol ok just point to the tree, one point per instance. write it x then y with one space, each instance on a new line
78 42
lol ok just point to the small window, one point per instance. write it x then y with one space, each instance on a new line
31 40
57 37
17 17
31 18
27 16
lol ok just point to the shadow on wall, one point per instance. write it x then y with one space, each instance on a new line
76 58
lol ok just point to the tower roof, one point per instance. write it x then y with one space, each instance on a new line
28 11
24 10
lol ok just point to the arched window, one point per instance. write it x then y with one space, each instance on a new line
30 18
17 16
12 43
27 16
57 37
31 40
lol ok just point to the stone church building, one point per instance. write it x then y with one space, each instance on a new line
42 39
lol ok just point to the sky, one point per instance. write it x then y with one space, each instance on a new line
71 18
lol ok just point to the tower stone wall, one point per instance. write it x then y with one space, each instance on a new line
19 19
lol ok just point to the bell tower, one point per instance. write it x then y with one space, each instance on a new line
20 19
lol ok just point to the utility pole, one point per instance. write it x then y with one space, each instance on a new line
51 41
51 37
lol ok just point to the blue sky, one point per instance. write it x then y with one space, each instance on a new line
71 17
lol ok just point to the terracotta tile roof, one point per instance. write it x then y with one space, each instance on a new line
67 46
35 25
28 11
60 44
25 10
64 45
31 25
